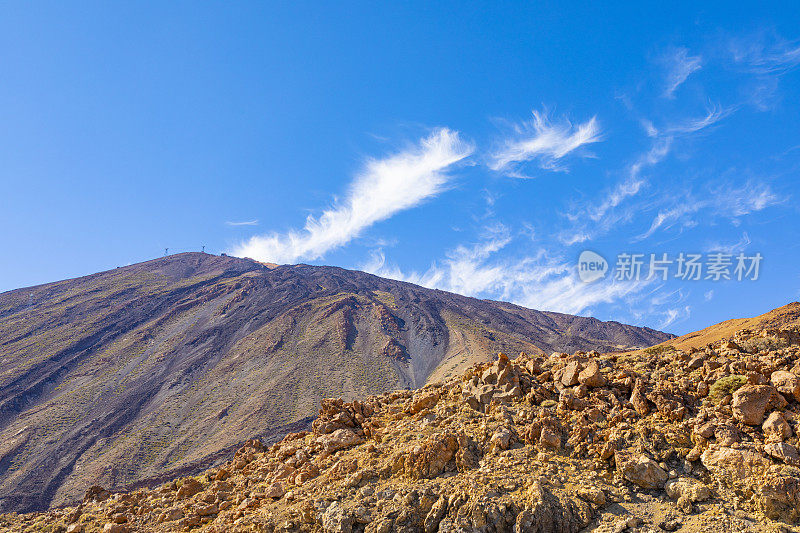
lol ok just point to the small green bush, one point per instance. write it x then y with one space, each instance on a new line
659 350
758 344
724 386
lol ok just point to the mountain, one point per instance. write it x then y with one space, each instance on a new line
788 315
163 368
660 439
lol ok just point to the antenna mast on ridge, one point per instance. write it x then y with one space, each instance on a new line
166 252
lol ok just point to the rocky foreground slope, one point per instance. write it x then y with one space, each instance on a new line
164 368
654 440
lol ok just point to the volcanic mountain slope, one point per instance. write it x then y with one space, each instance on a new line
652 441
163 368
788 315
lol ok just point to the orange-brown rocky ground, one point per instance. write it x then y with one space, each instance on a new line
658 440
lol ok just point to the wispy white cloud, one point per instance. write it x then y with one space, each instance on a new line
673 315
669 217
662 308
721 202
746 199
566 294
538 281
592 220
765 53
634 182
764 57
649 127
383 188
544 141
624 189
680 65
714 114
730 247
242 223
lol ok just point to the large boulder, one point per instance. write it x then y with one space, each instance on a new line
501 439
429 458
735 464
688 488
420 402
686 491
640 470
339 440
546 511
776 428
638 399
784 452
550 438
751 402
591 376
571 373
189 488
336 519
435 515
787 383
780 495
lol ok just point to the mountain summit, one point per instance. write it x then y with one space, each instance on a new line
164 368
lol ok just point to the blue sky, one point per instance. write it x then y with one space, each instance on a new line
478 148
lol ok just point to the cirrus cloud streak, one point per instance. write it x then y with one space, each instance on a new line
381 189
542 140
